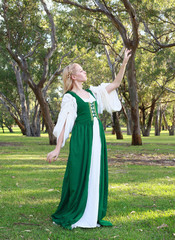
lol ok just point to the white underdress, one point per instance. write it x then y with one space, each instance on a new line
68 113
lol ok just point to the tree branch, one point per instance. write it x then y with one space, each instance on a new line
161 45
51 50
165 21
84 7
4 99
103 9
168 89
151 51
57 72
15 56
32 52
134 21
116 22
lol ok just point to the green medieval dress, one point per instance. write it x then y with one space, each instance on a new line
85 185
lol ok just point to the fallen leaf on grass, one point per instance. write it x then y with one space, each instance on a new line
162 226
26 231
132 212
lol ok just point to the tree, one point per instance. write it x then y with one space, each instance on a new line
31 47
130 40
5 119
158 25
151 70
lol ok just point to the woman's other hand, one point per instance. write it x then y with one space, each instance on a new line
52 156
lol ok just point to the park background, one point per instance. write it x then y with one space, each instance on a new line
38 39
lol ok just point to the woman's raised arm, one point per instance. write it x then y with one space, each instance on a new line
116 83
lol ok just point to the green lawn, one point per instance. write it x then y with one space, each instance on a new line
141 202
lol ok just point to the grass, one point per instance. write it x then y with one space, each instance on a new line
141 203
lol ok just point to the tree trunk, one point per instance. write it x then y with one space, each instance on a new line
127 114
131 76
21 126
18 122
9 128
38 125
129 123
165 121
45 114
147 130
2 126
104 117
35 127
143 119
42 125
116 125
172 128
157 132
160 119
22 100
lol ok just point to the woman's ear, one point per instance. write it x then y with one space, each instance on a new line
73 77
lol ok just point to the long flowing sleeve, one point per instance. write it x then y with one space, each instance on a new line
68 114
106 101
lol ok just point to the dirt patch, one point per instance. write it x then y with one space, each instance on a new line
7 144
119 144
141 162
142 159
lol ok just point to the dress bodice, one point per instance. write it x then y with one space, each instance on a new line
75 110
86 111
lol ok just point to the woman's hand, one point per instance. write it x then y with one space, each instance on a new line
52 156
127 55
116 83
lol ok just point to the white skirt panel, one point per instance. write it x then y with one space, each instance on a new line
90 215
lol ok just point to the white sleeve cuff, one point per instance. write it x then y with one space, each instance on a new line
106 101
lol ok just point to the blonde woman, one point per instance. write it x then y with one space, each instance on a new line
85 185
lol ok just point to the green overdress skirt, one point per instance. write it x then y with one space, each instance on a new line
75 183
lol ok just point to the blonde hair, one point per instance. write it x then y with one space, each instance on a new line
67 76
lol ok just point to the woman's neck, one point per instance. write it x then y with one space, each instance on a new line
77 87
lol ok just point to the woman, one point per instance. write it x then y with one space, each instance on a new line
85 186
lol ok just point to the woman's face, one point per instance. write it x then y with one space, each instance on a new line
79 74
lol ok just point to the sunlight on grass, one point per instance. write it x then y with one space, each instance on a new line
147 215
141 198
35 166
145 189
23 157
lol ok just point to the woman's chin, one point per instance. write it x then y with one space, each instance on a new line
84 80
